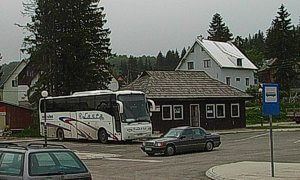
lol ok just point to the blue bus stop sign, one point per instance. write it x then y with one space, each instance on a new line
270 95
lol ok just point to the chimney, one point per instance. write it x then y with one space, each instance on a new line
200 37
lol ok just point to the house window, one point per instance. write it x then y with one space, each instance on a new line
202 49
166 112
14 83
237 79
228 80
235 110
210 111
190 65
207 63
247 82
178 112
220 110
239 62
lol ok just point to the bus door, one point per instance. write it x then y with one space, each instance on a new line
117 118
74 126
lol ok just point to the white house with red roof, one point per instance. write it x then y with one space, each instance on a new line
222 61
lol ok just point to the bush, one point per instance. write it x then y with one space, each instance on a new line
33 131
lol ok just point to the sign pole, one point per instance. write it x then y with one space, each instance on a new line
44 95
271 144
45 123
271 106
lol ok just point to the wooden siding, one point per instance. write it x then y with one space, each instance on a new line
211 124
17 117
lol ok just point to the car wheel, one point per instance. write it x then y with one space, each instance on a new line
102 136
150 154
60 134
170 150
209 146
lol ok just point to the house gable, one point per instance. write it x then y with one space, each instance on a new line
10 85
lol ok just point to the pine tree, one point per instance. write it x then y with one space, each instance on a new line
68 44
280 44
159 62
298 42
218 30
183 52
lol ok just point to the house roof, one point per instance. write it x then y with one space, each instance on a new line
268 63
224 53
8 70
183 84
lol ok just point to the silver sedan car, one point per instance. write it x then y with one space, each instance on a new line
35 162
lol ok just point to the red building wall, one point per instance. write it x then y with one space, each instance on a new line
16 117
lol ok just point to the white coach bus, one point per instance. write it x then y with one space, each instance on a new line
97 115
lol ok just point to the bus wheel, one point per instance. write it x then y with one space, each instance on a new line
60 134
102 136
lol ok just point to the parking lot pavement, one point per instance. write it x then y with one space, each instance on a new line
119 160
254 171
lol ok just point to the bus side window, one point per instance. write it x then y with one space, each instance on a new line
87 103
104 106
49 105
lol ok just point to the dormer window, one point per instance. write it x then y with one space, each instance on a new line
239 62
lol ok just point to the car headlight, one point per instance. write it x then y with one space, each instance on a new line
160 144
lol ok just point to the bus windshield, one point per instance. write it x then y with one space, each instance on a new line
135 108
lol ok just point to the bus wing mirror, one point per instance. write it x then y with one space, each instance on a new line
121 107
152 107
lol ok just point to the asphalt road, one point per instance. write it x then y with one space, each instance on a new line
126 161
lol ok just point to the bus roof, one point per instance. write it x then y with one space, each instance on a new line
97 92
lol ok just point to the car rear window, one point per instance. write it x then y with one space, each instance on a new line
54 163
11 163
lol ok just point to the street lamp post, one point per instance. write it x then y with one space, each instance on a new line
44 95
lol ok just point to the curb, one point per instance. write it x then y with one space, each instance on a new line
257 130
211 175
24 140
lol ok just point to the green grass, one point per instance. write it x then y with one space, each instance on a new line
254 114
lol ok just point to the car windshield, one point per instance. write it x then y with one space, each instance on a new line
55 163
11 163
135 108
173 133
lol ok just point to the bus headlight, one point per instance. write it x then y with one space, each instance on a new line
129 130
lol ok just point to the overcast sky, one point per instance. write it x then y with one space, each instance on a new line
145 27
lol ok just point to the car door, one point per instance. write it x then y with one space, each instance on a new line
199 138
186 140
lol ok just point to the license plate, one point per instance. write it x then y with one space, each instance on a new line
148 149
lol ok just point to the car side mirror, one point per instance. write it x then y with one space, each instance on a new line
182 137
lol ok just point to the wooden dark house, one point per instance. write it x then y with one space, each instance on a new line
187 98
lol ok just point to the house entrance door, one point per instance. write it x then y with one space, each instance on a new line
194 115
